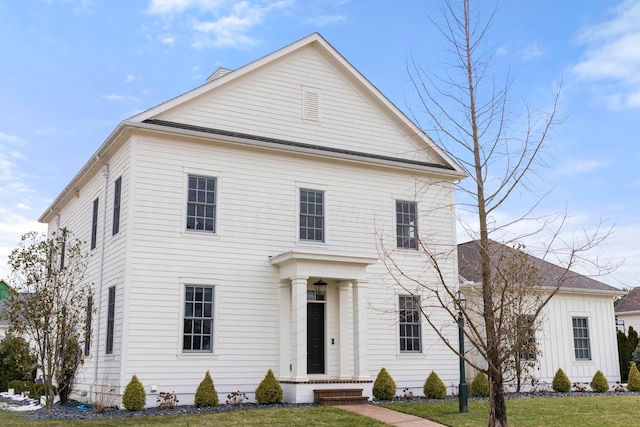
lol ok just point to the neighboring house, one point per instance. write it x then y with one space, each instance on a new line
237 228
628 311
577 327
4 292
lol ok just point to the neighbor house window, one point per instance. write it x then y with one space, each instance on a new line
527 336
63 247
111 317
312 215
198 319
117 195
94 225
410 328
406 225
201 204
581 344
87 326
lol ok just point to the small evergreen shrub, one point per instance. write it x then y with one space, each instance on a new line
18 386
599 383
434 388
384 388
480 385
206 394
134 397
269 390
633 383
561 382
38 390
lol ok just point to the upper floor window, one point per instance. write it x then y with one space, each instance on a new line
198 319
94 225
406 225
410 326
117 195
201 204
581 344
312 215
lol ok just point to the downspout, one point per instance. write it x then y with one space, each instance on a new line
105 175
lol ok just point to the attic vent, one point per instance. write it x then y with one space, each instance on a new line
311 105
219 73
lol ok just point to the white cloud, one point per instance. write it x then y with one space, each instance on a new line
530 52
112 97
612 57
130 78
324 20
12 226
168 40
575 166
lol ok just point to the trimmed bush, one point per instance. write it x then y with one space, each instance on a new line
206 394
599 383
384 388
269 390
633 383
561 382
38 390
480 385
134 397
434 388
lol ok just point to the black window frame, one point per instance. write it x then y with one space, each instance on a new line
406 224
94 224
202 193
117 199
197 329
87 326
581 338
410 324
111 318
312 215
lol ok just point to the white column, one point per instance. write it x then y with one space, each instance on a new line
285 330
299 328
360 331
343 339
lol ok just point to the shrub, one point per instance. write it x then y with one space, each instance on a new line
269 390
384 388
16 361
634 378
480 385
599 383
134 397
167 400
38 390
434 388
18 386
206 394
561 382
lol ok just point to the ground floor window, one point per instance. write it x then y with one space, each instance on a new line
198 319
581 344
410 326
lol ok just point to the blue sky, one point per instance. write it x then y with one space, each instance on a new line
73 69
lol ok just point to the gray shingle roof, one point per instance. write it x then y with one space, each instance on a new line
631 302
469 268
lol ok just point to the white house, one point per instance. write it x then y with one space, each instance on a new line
628 311
577 331
210 218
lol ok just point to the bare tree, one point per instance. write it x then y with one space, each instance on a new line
50 305
501 151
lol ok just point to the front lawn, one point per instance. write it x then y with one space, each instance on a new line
582 411
310 416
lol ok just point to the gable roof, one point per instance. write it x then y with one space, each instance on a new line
155 120
469 269
630 302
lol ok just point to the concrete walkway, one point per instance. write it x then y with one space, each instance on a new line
388 416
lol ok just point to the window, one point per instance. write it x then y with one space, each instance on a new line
111 316
117 195
312 215
527 336
581 338
201 204
406 225
87 327
63 247
198 319
410 336
94 225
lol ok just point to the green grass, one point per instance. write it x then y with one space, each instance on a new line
584 411
305 416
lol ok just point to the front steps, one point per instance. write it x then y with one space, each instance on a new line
340 396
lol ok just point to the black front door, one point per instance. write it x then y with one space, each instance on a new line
315 338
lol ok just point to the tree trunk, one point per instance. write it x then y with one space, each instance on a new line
498 413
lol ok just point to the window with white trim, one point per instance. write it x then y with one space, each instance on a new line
117 196
94 225
406 225
198 319
410 325
111 319
201 204
312 215
581 342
